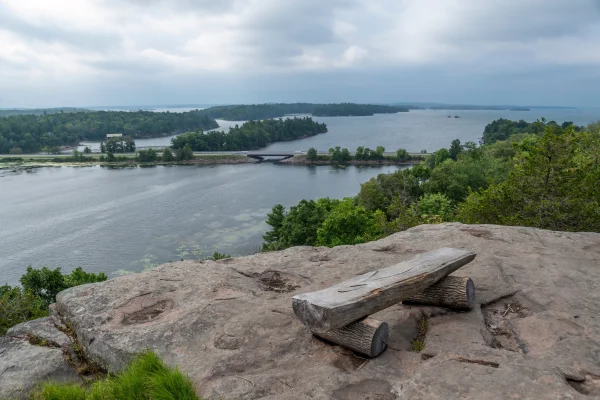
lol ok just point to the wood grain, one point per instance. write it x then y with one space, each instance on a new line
453 292
367 336
363 295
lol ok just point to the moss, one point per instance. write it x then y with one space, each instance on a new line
145 378
418 344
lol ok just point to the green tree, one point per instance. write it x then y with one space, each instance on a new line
102 148
455 149
311 154
183 154
275 219
167 155
553 185
110 157
402 155
87 150
147 155
435 204
46 283
17 306
129 144
350 224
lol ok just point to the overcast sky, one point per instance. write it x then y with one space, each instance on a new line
152 52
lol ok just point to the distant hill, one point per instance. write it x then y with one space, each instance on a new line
8 112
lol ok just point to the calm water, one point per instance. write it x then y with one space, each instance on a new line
130 219
415 130
119 220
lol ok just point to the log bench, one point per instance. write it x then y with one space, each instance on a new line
339 313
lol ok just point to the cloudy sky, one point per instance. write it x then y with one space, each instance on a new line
152 52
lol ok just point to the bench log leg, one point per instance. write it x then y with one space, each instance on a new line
452 292
368 336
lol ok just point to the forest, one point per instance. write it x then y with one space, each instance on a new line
39 111
242 112
30 133
539 174
250 135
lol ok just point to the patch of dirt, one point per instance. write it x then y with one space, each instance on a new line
148 313
273 281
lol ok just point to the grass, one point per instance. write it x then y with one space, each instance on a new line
146 378
418 344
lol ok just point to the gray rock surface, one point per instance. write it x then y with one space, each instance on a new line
23 366
42 329
229 325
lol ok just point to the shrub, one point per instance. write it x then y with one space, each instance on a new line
46 283
402 155
15 150
17 306
147 377
167 155
311 154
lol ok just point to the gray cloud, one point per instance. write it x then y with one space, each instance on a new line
269 50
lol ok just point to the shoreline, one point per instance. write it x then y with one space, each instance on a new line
204 159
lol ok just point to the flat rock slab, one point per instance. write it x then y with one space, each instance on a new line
230 326
42 329
23 366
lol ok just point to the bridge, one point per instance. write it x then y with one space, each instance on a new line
260 155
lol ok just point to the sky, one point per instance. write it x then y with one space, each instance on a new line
160 52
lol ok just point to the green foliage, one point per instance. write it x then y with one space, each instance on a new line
455 149
110 157
402 155
31 133
350 224
87 150
17 306
184 154
120 145
245 112
146 378
15 150
149 155
553 185
46 283
167 155
299 226
219 256
340 156
251 135
365 153
311 154
102 148
547 179
435 204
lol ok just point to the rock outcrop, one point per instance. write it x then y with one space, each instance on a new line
229 325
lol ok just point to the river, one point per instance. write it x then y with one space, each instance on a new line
124 220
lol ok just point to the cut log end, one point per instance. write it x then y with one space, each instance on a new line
452 292
368 336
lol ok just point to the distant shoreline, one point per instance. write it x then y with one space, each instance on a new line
9 163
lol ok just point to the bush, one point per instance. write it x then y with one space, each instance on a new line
46 283
167 155
147 377
402 155
17 306
147 155
15 150
184 153
350 224
311 154
110 157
